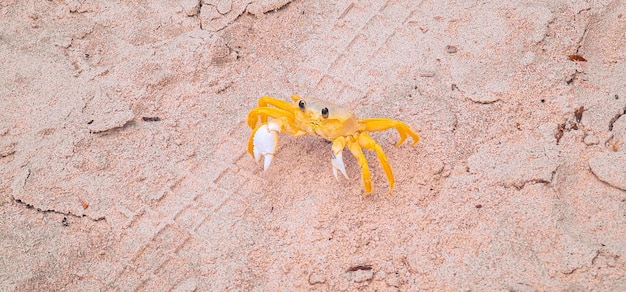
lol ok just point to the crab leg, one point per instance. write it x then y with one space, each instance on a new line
264 101
265 112
366 141
337 159
365 171
381 124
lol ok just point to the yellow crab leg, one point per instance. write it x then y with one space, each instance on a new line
265 112
264 101
366 141
279 103
295 98
381 124
360 158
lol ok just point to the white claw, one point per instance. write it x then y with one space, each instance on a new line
337 162
265 141
267 161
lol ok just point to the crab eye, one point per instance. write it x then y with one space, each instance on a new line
325 112
302 104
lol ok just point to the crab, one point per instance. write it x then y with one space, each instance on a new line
329 121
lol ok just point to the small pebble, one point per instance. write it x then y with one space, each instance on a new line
315 278
224 6
451 49
591 139
360 276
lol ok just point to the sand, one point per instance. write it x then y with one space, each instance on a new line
123 135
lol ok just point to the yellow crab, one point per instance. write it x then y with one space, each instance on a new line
324 119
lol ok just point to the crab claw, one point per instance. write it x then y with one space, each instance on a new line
337 162
265 141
